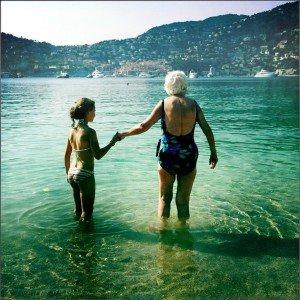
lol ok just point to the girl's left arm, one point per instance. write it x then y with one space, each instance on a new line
68 152
146 124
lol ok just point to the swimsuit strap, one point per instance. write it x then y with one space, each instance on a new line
78 150
163 122
77 155
195 117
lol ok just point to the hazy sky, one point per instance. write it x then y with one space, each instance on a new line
87 22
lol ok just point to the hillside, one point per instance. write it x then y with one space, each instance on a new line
232 44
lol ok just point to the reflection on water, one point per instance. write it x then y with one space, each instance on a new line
82 247
175 259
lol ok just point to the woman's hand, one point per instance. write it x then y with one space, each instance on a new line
121 135
213 160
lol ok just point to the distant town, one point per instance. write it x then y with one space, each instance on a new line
229 45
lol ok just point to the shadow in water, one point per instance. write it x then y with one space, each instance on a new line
249 244
230 244
180 237
174 258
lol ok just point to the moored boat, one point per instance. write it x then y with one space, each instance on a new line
193 74
145 75
265 73
63 75
97 74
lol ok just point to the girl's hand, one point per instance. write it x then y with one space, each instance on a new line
115 138
121 135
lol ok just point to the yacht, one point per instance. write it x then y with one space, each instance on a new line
210 73
6 75
117 75
145 75
63 75
89 76
97 74
264 73
193 74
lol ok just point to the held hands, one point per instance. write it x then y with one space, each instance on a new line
115 138
213 160
122 135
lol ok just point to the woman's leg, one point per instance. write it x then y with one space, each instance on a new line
76 195
184 188
87 194
166 181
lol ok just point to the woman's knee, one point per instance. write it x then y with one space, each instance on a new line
166 198
182 198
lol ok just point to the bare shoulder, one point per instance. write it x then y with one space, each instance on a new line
157 109
198 107
71 133
192 103
90 131
159 103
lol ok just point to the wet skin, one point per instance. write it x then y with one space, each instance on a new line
180 115
83 137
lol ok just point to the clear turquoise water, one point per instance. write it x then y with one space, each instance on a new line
242 241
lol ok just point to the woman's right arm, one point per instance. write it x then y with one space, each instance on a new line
146 124
100 152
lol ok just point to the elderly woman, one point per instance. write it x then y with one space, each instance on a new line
176 150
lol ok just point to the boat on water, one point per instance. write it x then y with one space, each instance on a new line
117 75
145 75
89 76
97 74
63 75
265 73
6 75
193 74
210 73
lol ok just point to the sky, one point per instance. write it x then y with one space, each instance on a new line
88 22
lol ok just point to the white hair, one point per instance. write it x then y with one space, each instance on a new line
175 83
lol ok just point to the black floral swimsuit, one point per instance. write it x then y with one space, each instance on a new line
176 154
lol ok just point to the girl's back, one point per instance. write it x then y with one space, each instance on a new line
80 140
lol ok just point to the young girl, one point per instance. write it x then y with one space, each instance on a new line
83 142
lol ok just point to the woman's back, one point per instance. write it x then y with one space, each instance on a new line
180 115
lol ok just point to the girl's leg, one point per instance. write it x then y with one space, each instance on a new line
166 181
76 195
87 194
184 188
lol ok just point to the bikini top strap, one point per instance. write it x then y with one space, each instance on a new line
195 116
163 122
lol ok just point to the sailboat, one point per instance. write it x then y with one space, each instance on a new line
210 73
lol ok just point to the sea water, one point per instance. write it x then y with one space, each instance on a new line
243 231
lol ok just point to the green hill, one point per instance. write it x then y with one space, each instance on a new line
232 44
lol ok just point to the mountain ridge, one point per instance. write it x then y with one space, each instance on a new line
232 44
